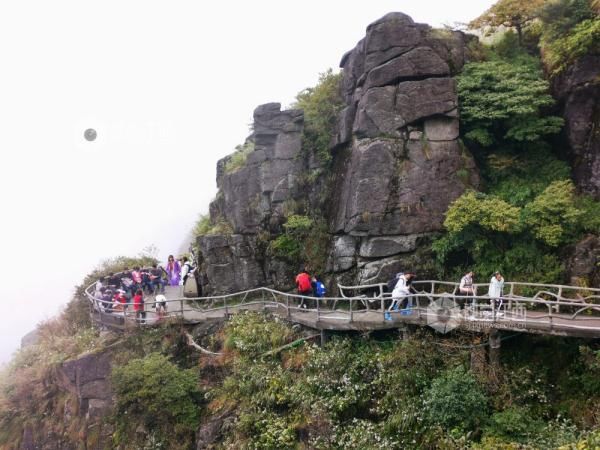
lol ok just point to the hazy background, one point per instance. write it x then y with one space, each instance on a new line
170 87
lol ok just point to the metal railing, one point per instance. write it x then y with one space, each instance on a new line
549 307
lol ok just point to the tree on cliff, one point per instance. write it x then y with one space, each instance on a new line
511 13
503 102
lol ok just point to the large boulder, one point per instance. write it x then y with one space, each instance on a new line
398 138
578 91
88 377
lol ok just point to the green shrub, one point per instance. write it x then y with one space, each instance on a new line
503 101
455 401
488 212
571 30
514 424
552 215
154 392
251 334
205 227
321 105
238 159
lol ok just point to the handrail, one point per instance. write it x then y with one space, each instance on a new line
191 309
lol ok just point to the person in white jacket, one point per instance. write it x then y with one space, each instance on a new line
495 290
401 290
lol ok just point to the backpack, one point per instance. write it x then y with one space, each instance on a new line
320 289
190 268
304 282
393 281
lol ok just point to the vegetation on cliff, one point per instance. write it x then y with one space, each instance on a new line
272 388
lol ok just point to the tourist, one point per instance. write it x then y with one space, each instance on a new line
318 287
119 300
137 277
114 281
400 294
138 306
495 290
157 282
98 296
186 270
466 287
160 305
304 286
107 301
173 270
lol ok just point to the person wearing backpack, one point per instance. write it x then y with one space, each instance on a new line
186 270
401 293
318 287
304 286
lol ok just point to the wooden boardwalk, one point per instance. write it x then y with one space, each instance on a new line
548 311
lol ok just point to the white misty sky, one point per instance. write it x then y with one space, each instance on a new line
170 87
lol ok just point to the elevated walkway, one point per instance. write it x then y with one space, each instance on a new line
526 307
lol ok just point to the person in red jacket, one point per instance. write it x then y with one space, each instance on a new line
303 283
138 306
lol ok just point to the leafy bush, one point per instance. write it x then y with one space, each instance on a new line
487 212
455 401
251 334
552 215
321 105
205 227
154 392
570 30
238 159
303 242
503 101
514 424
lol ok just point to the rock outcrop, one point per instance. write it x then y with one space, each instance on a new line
582 265
578 91
397 165
88 377
399 136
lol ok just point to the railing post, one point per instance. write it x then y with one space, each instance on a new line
382 309
318 308
263 298
351 312
287 304
226 307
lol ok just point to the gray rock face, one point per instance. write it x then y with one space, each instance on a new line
257 189
252 199
230 264
397 165
578 91
382 246
386 110
403 162
397 187
582 266
88 378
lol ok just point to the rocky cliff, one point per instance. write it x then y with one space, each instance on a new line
578 90
397 163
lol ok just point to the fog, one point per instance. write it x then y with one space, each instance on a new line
170 88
